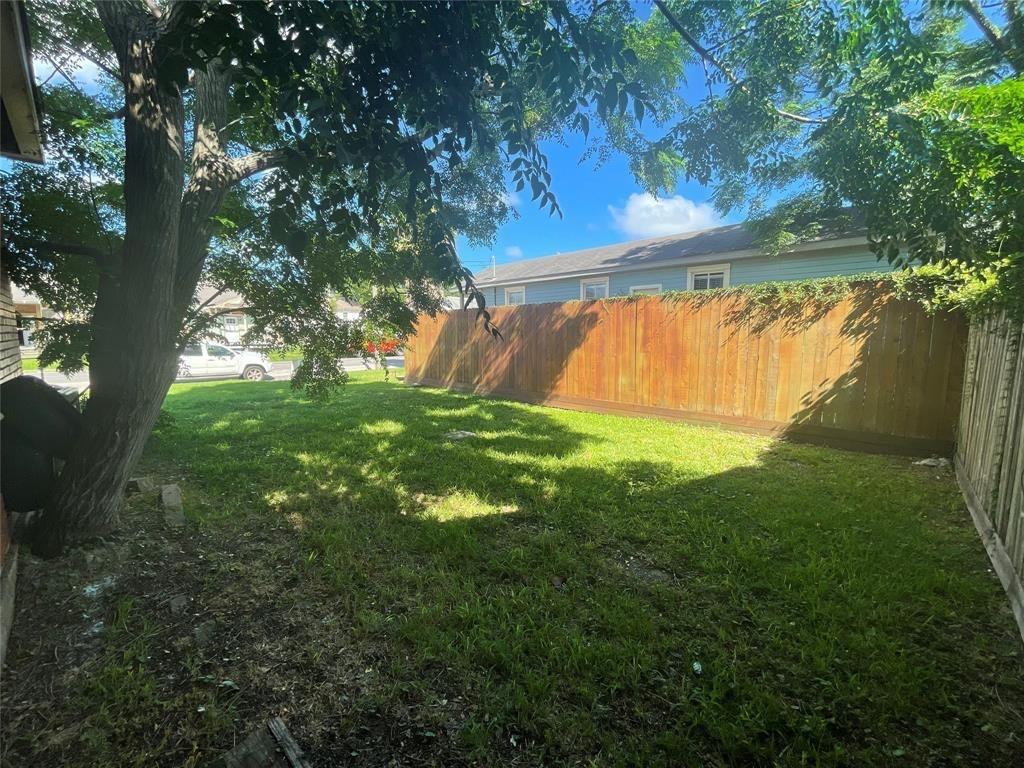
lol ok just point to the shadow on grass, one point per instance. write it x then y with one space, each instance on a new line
624 590
852 366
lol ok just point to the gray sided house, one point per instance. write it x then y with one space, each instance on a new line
712 258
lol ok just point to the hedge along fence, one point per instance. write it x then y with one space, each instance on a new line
990 447
855 367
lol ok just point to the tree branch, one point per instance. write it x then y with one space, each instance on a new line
59 69
228 311
201 320
211 175
1014 24
710 58
119 17
985 24
180 14
257 162
99 64
104 260
209 301
115 114
999 41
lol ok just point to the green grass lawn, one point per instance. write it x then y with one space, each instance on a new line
592 589
287 355
32 364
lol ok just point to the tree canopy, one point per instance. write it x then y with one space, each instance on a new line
913 113
288 151
331 145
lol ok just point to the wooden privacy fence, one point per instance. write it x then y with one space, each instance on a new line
869 372
990 447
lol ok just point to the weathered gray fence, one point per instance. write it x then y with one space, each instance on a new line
990 447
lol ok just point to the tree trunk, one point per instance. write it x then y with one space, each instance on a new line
87 497
145 291
133 354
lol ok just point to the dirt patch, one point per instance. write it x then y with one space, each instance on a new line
164 646
643 571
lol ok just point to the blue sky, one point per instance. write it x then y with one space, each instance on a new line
600 205
605 205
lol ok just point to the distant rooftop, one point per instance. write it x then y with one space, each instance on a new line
218 298
692 247
227 299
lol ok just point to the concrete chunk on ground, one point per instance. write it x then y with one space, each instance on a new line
270 746
934 461
203 634
459 434
178 603
141 485
174 509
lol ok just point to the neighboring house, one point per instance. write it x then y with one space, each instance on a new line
347 310
231 322
31 313
10 354
712 258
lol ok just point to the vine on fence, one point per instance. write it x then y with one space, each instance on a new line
934 287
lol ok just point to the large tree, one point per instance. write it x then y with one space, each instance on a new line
913 112
289 151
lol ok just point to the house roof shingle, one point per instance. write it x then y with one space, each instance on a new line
692 247
218 298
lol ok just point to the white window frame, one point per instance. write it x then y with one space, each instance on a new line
707 268
513 289
656 287
586 281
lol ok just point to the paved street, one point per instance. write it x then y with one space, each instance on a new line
278 371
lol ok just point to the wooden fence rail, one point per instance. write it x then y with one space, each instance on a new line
990 447
870 372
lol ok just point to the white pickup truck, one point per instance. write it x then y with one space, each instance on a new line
203 360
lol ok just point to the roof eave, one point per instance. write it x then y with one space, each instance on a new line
702 258
18 89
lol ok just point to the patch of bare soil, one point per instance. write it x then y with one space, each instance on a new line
163 646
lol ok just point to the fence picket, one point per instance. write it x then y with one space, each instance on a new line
870 371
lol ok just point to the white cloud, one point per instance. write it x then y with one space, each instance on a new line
514 251
645 215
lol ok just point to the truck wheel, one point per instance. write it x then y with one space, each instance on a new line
254 373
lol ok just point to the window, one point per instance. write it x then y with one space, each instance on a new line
708 277
593 288
215 350
645 290
230 321
515 296
192 350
